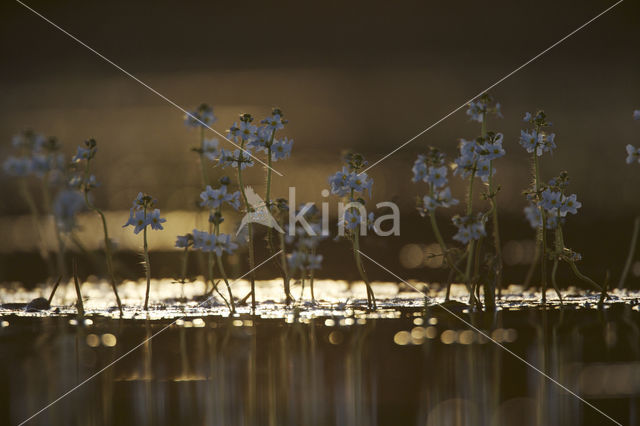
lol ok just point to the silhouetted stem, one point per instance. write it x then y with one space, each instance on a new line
107 241
147 264
252 276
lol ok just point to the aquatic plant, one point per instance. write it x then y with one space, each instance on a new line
549 205
85 182
213 242
143 215
40 157
349 183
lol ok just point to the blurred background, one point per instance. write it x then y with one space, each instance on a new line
361 76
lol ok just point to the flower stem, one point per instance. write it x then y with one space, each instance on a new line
542 235
147 264
205 177
107 241
249 229
232 306
371 299
44 252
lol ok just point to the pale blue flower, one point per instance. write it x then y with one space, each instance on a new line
483 169
200 117
340 182
633 154
281 149
273 123
247 131
440 199
550 199
360 182
420 169
469 148
476 111
527 117
223 243
17 166
65 208
137 219
184 241
636 114
155 220
492 151
210 149
529 139
203 241
469 228
228 158
532 213
351 219
569 204
437 176
84 154
234 132
463 166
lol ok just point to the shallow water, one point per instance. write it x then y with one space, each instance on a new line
329 363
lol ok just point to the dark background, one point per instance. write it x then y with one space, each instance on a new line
364 76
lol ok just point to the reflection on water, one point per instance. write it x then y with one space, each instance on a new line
331 365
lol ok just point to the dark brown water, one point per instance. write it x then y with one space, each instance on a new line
324 365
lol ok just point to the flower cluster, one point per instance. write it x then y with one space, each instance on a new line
537 140
260 138
143 214
431 168
214 198
208 242
38 155
470 228
200 117
476 156
66 206
484 105
553 202
350 180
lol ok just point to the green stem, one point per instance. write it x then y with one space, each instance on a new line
232 306
107 241
371 299
205 178
285 270
542 234
147 264
249 229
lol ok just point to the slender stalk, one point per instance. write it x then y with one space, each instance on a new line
285 270
205 177
147 264
311 277
46 209
79 304
542 234
232 305
252 275
107 241
53 290
371 299
632 251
